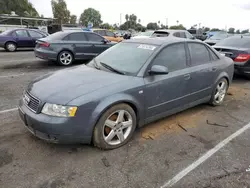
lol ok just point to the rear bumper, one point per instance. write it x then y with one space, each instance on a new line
243 70
45 54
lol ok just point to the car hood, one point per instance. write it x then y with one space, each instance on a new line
63 86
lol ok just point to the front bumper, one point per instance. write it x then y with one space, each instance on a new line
53 129
45 54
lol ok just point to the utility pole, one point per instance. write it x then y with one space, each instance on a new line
120 18
166 21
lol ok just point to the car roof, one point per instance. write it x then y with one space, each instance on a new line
159 41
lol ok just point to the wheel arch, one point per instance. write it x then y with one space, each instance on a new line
223 75
9 42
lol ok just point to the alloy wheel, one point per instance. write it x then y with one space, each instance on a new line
220 92
11 47
66 58
117 127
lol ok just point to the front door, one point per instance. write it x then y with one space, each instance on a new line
23 39
168 92
35 36
98 42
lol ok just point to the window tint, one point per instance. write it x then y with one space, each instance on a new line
177 34
110 34
94 37
22 33
77 37
199 54
35 34
160 34
173 57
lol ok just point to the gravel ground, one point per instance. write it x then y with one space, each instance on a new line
156 153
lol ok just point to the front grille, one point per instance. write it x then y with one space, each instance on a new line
31 102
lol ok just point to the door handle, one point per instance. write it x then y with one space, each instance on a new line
214 69
187 76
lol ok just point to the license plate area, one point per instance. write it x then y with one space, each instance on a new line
23 116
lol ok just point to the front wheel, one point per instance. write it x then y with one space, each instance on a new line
65 58
115 127
219 92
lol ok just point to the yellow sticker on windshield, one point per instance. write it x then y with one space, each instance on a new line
146 47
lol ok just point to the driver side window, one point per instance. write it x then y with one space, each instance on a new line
173 57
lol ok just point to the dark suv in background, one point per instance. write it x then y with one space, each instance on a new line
10 40
65 47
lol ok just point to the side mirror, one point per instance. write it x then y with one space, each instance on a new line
105 41
158 69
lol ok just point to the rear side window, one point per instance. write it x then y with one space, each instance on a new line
182 35
35 34
214 57
199 54
177 34
94 37
22 33
77 37
110 34
160 34
101 32
173 57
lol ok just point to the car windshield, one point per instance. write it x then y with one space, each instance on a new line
241 42
127 58
147 33
219 36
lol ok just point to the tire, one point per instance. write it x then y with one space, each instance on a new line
10 47
105 137
65 58
219 92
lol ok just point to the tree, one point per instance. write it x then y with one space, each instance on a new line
106 26
60 11
91 15
206 29
126 17
245 31
231 30
237 31
152 26
20 7
139 20
179 27
73 19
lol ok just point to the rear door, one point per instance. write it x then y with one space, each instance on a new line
98 43
35 36
81 46
204 70
22 38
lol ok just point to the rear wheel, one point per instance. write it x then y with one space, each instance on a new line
10 47
115 127
219 92
65 58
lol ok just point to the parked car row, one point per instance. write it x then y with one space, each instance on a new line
127 86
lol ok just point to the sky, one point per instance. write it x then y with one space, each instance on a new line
211 13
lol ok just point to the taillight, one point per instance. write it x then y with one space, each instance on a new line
45 44
242 58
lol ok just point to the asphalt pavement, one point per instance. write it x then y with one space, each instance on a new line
157 154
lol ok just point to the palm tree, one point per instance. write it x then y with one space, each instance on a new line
139 20
126 17
177 22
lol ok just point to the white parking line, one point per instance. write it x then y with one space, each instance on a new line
14 75
203 158
9 110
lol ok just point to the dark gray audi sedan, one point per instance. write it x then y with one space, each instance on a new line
129 85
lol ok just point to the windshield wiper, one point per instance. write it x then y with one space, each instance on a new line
111 68
96 66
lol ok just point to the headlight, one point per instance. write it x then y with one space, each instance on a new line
59 110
